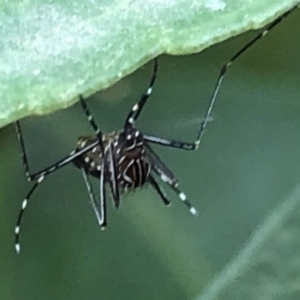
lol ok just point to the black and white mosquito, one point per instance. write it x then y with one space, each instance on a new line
125 159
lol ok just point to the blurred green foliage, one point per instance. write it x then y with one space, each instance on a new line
247 168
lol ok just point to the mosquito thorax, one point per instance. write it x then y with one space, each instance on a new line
126 147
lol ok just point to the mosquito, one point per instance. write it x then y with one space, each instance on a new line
125 159
122 159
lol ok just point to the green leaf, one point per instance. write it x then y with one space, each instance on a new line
52 51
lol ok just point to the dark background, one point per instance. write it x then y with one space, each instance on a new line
247 164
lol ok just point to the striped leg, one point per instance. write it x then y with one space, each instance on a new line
159 191
109 158
170 143
57 165
168 177
21 213
137 108
114 175
224 68
100 207
92 122
164 170
23 150
64 161
174 187
39 176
